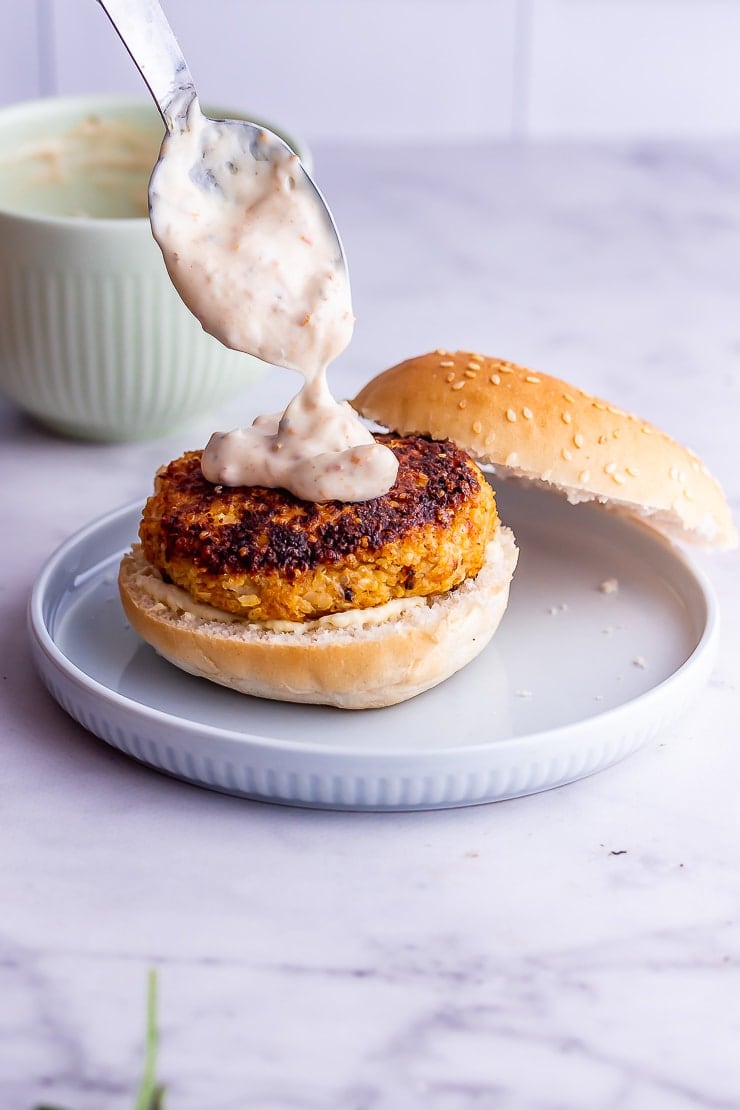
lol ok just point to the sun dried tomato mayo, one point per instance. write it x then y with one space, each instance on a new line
253 256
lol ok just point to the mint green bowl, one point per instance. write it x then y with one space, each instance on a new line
94 340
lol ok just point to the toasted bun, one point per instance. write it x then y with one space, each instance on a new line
355 661
541 429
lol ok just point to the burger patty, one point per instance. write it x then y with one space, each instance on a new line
266 555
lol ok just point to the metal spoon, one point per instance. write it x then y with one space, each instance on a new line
148 38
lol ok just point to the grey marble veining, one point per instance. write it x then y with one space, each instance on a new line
573 950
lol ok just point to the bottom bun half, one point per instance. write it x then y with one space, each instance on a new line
361 660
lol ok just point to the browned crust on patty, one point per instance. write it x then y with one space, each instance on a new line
265 554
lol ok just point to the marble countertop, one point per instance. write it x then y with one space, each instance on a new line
566 951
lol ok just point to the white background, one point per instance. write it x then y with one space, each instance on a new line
405 70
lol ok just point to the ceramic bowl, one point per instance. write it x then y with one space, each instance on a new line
94 340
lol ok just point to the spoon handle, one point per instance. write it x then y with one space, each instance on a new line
144 31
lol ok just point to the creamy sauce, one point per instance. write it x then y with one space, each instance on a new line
317 449
166 595
254 257
97 169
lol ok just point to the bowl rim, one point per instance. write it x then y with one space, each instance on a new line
91 101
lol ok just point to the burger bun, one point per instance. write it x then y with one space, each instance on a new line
531 426
359 660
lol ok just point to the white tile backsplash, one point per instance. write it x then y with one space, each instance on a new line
20 60
330 70
405 70
641 67
87 54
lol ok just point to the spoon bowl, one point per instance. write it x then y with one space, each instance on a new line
145 32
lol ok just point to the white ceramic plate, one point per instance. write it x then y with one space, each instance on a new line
576 678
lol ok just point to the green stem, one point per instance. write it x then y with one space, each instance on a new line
151 1094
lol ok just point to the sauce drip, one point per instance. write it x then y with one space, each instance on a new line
317 449
256 260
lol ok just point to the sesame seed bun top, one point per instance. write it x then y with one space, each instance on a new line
539 428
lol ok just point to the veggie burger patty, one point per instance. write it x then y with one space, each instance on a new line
264 554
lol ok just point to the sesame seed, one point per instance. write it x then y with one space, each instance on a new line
451 376
459 385
473 366
495 379
527 413
599 405
566 417
477 427
490 438
584 476
512 459
568 397
619 479
578 440
602 439
532 379
614 410
615 433
462 404
567 455
610 468
647 429
511 416
632 471
441 351
447 362
470 373
505 369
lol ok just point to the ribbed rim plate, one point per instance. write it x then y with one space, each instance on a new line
610 633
